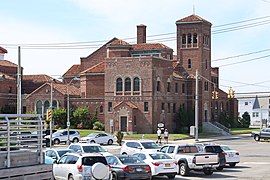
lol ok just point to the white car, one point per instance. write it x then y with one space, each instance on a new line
232 156
160 163
55 154
78 166
88 148
136 146
99 138
62 136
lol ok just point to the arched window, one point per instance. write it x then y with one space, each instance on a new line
189 64
195 38
39 107
119 84
184 40
189 38
136 84
46 106
100 109
158 84
127 84
54 104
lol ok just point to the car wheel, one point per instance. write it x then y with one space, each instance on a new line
75 140
207 171
257 138
70 177
232 164
171 176
56 141
220 168
110 142
183 169
124 153
92 141
114 176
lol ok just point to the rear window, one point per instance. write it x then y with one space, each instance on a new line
150 145
130 160
159 156
213 149
90 161
92 149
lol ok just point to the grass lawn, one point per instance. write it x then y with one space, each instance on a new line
154 136
85 132
243 130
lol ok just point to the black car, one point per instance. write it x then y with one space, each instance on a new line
128 167
221 154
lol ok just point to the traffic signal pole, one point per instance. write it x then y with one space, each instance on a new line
196 107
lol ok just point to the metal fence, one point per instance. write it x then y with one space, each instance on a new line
21 140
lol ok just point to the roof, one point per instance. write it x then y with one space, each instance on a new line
128 104
256 104
3 50
120 42
74 70
150 46
41 78
98 68
4 76
7 63
192 18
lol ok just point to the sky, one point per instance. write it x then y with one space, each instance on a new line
53 35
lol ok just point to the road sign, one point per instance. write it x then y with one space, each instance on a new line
49 114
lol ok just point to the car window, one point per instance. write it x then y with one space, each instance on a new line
62 152
171 149
142 156
130 160
225 148
72 132
91 149
155 156
76 148
164 149
71 159
90 161
150 145
62 160
49 153
112 160
133 144
64 133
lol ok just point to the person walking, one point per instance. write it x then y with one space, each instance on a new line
166 136
159 136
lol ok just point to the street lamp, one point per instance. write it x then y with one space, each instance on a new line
51 107
68 120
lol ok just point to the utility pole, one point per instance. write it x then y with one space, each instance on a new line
51 107
196 107
19 83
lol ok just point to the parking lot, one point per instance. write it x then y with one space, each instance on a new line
255 160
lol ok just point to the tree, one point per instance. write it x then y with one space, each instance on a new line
60 117
245 120
81 115
183 120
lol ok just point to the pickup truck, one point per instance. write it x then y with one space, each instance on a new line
262 134
189 158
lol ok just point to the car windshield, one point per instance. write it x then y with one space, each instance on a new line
130 160
57 133
159 156
92 149
92 135
225 148
150 145
90 161
62 152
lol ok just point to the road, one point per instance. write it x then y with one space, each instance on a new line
254 165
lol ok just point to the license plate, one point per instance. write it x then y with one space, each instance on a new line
139 169
87 170
230 155
167 165
206 166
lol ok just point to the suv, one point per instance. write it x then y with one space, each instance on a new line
221 154
89 148
75 166
136 146
262 134
62 136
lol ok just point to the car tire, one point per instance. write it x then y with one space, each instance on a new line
70 177
114 176
124 153
232 164
207 171
220 168
92 141
110 142
183 169
171 176
56 141
257 138
75 140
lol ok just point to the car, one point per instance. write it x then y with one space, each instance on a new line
160 163
214 148
136 146
62 136
128 167
98 137
262 134
49 160
88 148
57 153
232 156
77 166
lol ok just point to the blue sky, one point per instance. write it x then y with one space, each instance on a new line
65 21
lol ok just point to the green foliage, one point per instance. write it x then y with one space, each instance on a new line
119 137
60 117
183 120
81 115
245 120
93 120
98 126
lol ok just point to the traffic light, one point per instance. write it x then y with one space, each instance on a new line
49 115
216 95
213 94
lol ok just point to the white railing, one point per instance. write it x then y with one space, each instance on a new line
21 135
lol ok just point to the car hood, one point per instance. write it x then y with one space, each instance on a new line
150 150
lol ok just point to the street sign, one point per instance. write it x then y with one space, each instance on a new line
68 124
49 115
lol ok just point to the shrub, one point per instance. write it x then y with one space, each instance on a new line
98 126
119 137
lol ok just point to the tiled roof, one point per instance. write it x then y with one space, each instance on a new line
62 88
4 76
3 50
131 105
73 71
7 63
149 46
192 18
116 42
176 75
41 78
98 68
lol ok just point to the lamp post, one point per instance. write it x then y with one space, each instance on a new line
51 115
68 118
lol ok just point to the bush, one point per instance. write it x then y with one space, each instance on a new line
98 126
119 137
